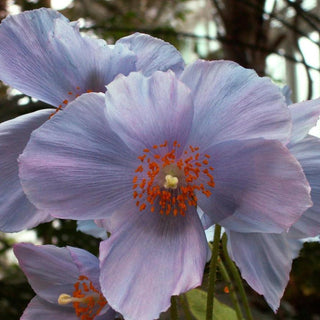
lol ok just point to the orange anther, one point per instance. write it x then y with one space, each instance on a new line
153 188
88 301
141 158
164 144
139 169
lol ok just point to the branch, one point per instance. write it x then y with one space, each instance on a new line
166 32
283 22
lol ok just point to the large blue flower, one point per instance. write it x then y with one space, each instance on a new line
43 55
150 151
66 281
265 259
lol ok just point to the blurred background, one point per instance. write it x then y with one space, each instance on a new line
277 38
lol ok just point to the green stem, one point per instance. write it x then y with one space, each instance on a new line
231 288
185 307
174 309
236 276
213 271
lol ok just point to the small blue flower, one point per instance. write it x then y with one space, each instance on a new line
66 281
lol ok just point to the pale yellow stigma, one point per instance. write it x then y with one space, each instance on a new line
171 182
66 299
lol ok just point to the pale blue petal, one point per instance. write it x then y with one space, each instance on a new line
307 151
304 116
43 55
149 258
149 111
264 261
153 54
81 170
205 219
41 309
50 270
233 103
87 264
259 187
91 228
16 212
286 91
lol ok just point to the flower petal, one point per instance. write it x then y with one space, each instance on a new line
264 261
91 228
259 187
50 270
287 92
16 212
241 105
148 111
153 54
151 253
87 264
304 116
307 151
43 55
41 309
74 166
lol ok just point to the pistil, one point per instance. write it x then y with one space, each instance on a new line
86 299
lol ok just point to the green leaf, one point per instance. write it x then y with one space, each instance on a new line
197 301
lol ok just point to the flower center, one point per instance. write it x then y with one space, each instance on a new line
86 299
168 178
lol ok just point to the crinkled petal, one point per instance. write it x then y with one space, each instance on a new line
91 228
233 103
16 212
75 166
304 116
149 258
307 151
41 309
153 54
259 187
43 55
148 111
264 261
50 270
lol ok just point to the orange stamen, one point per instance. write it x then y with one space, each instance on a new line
86 299
169 181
